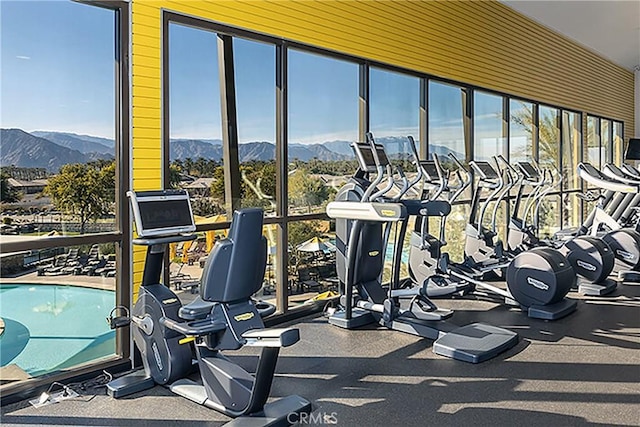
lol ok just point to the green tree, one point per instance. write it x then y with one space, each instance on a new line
306 190
174 174
8 194
86 191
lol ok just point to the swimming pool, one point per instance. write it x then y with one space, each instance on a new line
52 327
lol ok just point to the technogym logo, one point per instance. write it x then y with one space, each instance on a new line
585 265
537 284
624 254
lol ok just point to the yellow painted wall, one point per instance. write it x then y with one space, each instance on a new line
482 43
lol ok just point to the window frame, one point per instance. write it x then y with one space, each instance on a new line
121 236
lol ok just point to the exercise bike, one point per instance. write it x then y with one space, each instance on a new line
223 317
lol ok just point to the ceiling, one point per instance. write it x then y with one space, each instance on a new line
609 28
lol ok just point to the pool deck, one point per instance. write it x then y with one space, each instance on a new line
580 370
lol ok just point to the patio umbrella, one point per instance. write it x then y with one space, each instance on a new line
315 245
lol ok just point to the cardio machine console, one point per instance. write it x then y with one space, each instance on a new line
529 172
485 170
162 213
366 159
429 167
633 149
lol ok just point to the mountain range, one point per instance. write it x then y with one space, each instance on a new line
52 150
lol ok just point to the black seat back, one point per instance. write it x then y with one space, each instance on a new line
235 267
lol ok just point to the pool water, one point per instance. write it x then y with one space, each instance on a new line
52 327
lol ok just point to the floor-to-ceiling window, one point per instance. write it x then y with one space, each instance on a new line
489 134
64 123
446 107
322 123
571 139
548 211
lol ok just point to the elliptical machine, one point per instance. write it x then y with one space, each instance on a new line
537 280
591 258
364 217
223 317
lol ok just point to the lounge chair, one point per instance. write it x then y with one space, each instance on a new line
62 264
93 261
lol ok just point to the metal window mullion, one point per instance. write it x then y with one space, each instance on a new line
561 159
363 101
123 164
535 136
467 105
282 166
229 124
423 132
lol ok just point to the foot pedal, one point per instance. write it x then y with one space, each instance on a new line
597 289
475 343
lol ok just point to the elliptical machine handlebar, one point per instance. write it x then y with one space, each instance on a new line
464 182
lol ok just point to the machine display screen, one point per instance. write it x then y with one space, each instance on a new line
430 169
162 213
365 157
528 170
487 170
382 155
165 214
633 150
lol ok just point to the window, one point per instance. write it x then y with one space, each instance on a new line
312 260
593 141
618 143
488 126
488 137
394 110
255 68
195 129
605 141
446 135
446 126
323 122
549 159
571 156
59 153
521 127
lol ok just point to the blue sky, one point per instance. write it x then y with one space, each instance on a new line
58 74
57 69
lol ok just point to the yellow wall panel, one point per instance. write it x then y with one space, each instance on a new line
144 61
483 43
